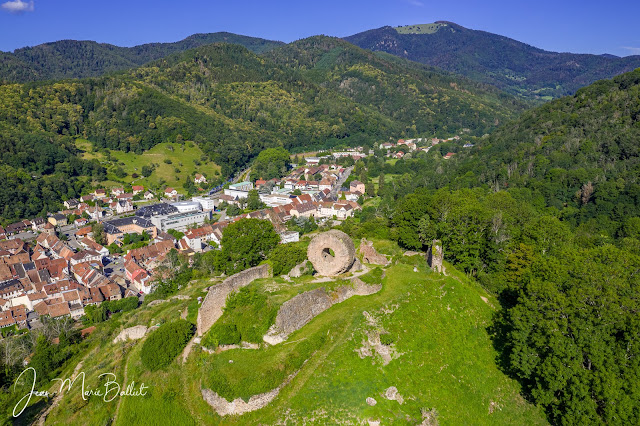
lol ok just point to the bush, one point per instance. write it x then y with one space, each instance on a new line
123 305
386 339
222 334
164 344
285 256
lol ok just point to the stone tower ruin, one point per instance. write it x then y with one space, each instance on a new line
434 256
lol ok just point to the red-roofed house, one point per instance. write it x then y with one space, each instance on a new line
170 192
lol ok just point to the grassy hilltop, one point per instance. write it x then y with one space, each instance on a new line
443 362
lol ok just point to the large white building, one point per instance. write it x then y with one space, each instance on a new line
206 203
275 199
179 221
187 206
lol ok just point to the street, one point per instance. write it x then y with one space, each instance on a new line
334 191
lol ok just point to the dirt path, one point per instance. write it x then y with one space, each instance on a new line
58 397
365 269
126 363
187 349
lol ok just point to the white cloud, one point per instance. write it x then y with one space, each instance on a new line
632 50
18 6
415 3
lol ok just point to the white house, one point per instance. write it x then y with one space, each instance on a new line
170 192
124 206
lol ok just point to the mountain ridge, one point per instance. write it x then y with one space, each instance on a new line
87 58
509 64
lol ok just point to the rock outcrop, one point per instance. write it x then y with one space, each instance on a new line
392 395
370 255
298 270
132 333
216 298
331 253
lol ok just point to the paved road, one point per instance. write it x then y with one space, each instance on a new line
223 216
336 188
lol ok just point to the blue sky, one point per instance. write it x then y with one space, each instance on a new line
586 26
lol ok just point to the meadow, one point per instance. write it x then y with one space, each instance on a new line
174 164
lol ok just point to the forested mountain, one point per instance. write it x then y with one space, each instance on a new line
233 104
545 212
79 59
506 63
580 153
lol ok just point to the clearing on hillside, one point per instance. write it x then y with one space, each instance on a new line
419 28
174 163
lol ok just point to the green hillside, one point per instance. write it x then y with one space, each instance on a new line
173 164
579 154
232 104
444 360
421 99
513 66
546 214
80 59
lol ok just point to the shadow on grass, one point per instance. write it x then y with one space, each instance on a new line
31 413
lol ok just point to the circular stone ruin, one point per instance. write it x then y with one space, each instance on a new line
331 253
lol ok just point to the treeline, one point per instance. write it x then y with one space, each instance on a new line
80 59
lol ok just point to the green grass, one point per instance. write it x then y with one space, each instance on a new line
419 28
164 402
387 178
132 163
103 356
447 361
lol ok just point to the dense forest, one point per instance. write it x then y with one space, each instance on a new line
545 214
80 59
516 67
233 104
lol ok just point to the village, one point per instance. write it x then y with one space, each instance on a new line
56 266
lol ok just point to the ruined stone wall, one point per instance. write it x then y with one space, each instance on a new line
133 333
296 312
216 298
371 255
